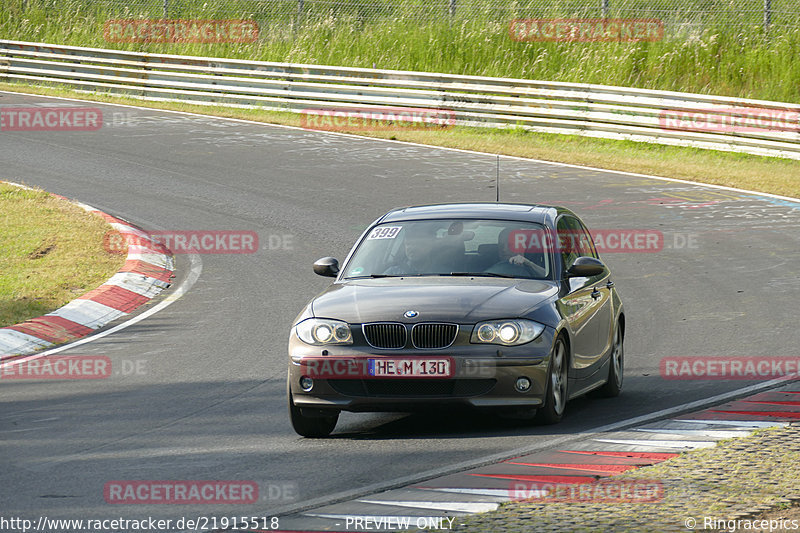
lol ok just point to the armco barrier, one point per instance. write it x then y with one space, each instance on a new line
665 117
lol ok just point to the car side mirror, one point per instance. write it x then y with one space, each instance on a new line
586 267
327 266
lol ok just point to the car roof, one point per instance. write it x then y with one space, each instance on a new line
485 210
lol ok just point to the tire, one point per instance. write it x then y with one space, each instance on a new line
557 385
616 367
313 427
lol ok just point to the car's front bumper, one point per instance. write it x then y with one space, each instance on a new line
484 376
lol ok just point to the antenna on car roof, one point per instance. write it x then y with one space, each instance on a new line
497 181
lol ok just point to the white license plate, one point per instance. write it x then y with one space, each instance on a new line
410 368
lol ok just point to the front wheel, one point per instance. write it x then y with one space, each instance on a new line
311 426
616 369
555 402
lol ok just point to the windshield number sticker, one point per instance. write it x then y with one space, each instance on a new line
384 232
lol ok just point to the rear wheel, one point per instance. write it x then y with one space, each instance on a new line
311 426
556 396
616 367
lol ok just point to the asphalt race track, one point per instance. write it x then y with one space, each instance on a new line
209 399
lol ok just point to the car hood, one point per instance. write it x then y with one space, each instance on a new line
461 300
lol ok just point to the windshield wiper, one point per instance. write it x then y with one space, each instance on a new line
367 276
484 274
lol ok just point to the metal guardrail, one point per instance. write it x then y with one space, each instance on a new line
703 121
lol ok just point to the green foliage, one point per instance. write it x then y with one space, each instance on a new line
735 59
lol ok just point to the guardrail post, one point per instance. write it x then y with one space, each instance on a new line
767 14
604 7
452 8
166 8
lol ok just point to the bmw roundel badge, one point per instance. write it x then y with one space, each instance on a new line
410 314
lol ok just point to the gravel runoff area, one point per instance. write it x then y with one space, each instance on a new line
739 479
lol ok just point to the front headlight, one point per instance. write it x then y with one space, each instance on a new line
322 331
506 332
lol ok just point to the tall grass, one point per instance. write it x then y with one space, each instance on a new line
734 59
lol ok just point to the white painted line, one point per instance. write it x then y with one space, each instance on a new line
738 423
495 493
20 185
710 433
141 249
86 207
678 444
88 313
159 260
389 521
459 507
131 281
14 342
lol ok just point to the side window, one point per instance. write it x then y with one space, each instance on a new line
574 240
589 249
564 233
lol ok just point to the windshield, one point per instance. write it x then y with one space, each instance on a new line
450 247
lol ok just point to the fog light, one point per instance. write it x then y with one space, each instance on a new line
306 383
523 384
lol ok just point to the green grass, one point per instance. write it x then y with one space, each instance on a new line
734 59
51 252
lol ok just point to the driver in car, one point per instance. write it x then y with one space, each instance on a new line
512 263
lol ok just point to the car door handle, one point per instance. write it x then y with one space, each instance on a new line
609 284
595 293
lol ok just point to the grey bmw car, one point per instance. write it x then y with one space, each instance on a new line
488 305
